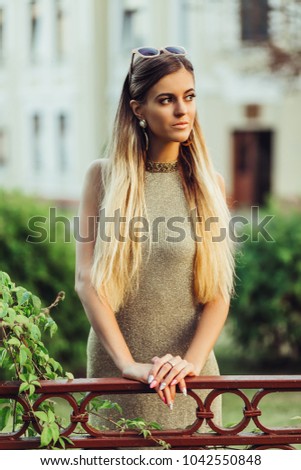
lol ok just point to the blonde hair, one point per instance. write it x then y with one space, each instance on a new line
116 265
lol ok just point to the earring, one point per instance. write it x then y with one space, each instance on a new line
188 142
143 125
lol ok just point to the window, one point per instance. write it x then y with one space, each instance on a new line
35 28
60 29
36 142
254 20
1 34
129 39
62 142
183 25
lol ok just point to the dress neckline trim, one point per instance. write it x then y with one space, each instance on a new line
161 167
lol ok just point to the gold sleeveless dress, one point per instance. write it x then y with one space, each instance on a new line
161 318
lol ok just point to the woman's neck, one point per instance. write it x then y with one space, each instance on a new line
163 152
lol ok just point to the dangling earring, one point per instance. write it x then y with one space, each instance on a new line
188 142
143 124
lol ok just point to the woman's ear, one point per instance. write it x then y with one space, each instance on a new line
136 108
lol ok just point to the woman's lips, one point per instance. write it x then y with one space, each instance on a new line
181 125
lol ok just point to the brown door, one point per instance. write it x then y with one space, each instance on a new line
252 167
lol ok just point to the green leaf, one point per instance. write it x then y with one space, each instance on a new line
5 413
66 439
32 377
24 377
117 407
4 278
103 404
22 356
36 304
36 383
55 365
10 317
25 297
154 425
7 298
46 436
55 432
32 389
3 356
69 375
62 443
51 416
14 342
18 330
53 329
3 310
23 387
35 332
22 319
42 416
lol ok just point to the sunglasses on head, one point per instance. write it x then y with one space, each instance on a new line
150 52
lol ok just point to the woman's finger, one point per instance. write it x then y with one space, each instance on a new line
172 389
181 384
168 375
168 397
164 368
161 395
158 363
179 372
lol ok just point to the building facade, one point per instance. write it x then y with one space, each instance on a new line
62 64
48 75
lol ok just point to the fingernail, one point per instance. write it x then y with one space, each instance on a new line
174 382
170 406
184 391
162 386
153 384
150 379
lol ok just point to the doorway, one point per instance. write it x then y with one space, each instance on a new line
252 167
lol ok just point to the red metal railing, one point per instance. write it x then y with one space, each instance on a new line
89 438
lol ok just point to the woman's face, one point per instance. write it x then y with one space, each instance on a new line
170 108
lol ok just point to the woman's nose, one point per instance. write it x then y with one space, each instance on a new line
180 107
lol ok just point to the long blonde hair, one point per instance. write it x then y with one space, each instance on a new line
116 265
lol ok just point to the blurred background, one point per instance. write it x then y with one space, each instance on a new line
62 65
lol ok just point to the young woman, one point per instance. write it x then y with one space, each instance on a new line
155 274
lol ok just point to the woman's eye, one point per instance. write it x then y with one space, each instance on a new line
166 100
169 99
190 97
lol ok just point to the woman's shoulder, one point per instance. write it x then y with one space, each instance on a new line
95 171
94 177
97 166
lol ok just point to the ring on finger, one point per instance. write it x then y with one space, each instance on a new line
168 362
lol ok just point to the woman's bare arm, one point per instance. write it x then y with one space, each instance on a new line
99 313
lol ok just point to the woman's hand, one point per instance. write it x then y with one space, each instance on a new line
167 372
141 372
137 371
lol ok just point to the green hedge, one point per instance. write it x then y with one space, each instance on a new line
45 268
265 315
